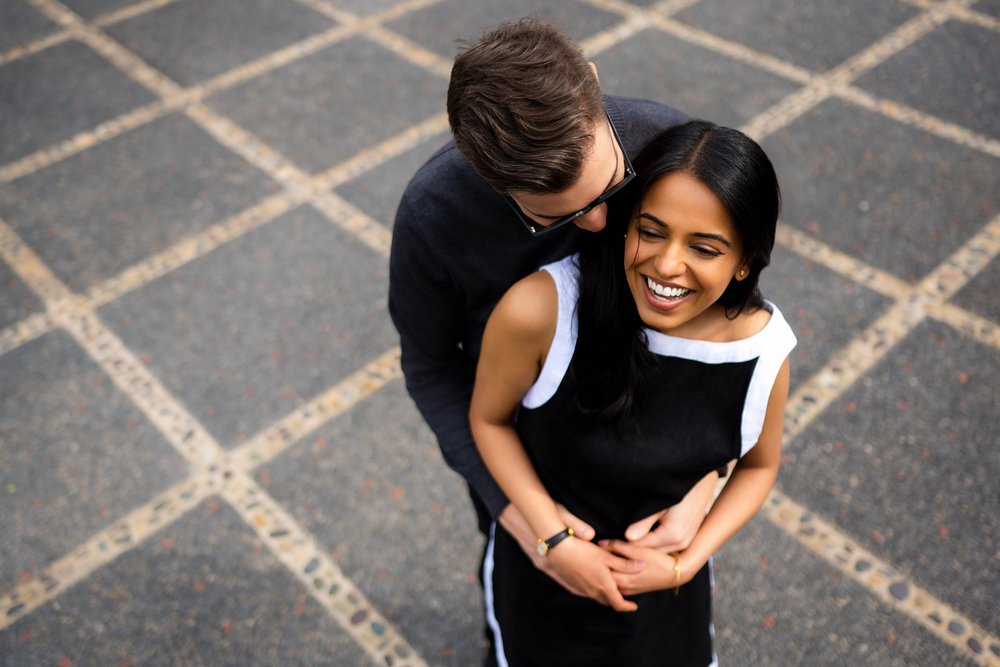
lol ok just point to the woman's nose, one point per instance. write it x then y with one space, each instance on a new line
670 260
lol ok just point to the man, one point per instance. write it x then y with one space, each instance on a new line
537 152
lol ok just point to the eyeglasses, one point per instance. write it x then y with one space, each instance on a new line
536 228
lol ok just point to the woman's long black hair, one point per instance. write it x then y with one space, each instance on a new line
611 365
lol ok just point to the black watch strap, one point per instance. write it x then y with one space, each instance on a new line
545 546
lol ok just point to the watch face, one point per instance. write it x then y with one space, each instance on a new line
542 548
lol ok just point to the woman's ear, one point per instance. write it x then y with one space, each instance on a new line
745 267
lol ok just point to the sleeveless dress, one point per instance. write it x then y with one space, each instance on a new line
706 408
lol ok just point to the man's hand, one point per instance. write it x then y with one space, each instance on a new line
678 524
594 570
514 523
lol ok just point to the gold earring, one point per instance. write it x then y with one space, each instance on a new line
742 273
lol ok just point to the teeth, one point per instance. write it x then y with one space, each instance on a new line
664 291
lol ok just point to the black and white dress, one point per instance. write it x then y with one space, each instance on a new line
706 409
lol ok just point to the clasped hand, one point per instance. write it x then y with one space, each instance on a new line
608 572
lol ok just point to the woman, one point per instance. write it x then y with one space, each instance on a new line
613 386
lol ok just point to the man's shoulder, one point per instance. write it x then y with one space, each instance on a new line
445 179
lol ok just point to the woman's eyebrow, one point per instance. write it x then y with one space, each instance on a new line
702 235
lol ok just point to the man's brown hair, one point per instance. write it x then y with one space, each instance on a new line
523 103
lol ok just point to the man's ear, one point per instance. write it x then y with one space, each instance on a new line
594 68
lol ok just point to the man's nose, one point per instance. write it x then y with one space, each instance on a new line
594 220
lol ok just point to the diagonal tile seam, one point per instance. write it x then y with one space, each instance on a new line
316 570
821 86
32 47
197 245
127 532
894 588
907 115
129 374
811 248
24 331
927 298
824 538
106 545
962 12
197 93
322 409
886 284
801 101
377 637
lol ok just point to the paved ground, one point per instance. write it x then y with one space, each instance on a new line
206 453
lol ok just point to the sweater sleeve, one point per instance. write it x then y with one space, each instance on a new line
427 311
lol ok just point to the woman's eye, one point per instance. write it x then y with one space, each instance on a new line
646 233
706 251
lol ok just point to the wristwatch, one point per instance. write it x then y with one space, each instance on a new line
545 546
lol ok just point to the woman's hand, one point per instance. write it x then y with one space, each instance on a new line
592 570
658 574
677 524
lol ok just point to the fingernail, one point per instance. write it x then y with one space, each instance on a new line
640 564
603 543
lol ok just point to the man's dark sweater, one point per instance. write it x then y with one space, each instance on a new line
457 247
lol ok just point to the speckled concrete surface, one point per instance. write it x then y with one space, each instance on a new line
207 456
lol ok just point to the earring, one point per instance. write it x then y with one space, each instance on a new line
742 273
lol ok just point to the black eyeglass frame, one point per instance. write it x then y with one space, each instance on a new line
536 229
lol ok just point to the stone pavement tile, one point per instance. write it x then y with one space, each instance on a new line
193 40
96 213
825 310
324 108
363 7
906 462
90 9
53 94
245 334
21 23
467 20
202 591
991 7
980 294
815 35
950 73
16 300
75 455
377 192
778 604
371 486
699 82
891 195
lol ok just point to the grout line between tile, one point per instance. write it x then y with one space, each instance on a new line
734 50
906 115
24 331
106 545
410 51
850 267
892 587
33 47
322 409
896 322
129 12
311 565
969 324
